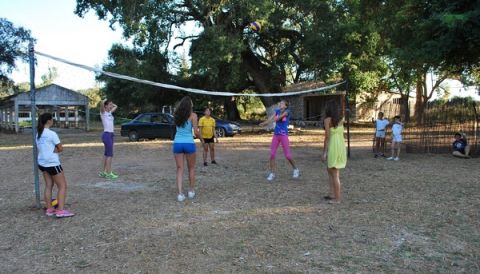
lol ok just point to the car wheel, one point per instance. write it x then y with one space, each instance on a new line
221 132
133 136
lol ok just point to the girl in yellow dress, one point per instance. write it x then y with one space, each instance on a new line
334 151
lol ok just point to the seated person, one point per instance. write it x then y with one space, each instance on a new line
460 146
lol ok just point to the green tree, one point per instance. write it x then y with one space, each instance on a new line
130 96
49 77
298 40
13 45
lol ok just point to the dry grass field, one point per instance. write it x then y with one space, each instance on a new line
418 215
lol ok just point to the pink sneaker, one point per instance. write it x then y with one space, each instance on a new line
51 212
64 213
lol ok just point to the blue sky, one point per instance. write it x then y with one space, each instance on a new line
61 33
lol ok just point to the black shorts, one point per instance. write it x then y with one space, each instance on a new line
209 140
52 170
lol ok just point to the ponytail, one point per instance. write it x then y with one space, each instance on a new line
42 120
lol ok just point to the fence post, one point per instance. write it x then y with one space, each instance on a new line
33 107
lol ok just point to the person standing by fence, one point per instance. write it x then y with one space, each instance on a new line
396 138
380 128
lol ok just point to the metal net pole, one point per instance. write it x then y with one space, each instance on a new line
31 53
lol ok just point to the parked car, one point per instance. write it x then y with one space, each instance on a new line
149 126
222 127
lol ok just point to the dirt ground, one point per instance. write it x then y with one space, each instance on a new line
418 215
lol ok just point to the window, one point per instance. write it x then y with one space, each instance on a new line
397 101
24 115
145 118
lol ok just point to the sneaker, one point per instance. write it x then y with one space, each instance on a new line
50 212
390 158
111 176
296 173
191 194
205 164
181 197
64 213
102 174
396 159
214 162
271 176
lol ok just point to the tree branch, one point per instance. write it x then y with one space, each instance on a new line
183 40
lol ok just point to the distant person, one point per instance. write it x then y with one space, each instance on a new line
380 128
334 151
184 146
106 114
461 148
397 128
49 147
209 135
280 136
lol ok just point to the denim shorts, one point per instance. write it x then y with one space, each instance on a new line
186 148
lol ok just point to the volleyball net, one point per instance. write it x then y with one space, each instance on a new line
185 89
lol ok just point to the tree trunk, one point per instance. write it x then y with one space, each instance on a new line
262 77
405 108
419 104
231 110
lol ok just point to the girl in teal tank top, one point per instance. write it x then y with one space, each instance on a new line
184 145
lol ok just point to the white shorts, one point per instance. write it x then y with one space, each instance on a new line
380 134
397 138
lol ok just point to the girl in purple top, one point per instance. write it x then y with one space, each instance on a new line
280 136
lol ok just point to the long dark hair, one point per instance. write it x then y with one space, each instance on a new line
42 120
332 111
183 111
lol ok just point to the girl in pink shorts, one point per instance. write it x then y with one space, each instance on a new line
280 136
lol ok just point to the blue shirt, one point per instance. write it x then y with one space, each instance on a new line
459 145
184 135
281 126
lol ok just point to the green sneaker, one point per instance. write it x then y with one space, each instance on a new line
102 174
111 176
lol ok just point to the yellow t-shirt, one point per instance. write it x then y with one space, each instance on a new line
207 126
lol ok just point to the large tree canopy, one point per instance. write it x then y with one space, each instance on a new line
299 39
375 45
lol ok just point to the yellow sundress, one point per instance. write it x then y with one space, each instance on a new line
337 154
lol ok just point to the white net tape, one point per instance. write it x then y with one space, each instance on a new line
191 90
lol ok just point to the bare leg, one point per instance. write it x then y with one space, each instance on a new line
212 151
336 184
205 152
331 183
191 158
377 145
399 145
467 150
393 148
382 145
61 183
47 195
107 164
272 165
292 162
179 158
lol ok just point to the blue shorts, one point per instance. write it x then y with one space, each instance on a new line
186 148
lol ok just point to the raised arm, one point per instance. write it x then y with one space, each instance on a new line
114 107
102 106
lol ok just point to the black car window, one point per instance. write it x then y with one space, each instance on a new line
156 119
146 118
164 119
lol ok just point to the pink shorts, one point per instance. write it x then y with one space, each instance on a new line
276 141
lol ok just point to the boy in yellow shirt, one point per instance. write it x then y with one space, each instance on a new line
207 130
